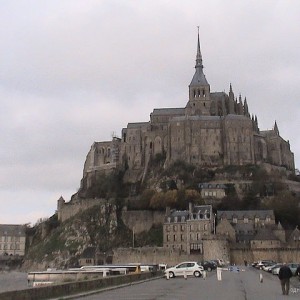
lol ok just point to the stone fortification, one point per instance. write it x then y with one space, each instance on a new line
66 210
151 255
212 250
136 220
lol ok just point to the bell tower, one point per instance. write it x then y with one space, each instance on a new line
199 89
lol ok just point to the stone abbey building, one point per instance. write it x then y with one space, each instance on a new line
213 129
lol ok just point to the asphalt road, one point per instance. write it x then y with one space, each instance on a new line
243 285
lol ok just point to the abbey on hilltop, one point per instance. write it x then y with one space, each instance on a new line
214 129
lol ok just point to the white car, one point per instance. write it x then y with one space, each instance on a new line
188 268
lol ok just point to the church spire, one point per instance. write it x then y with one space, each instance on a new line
276 128
199 89
198 56
199 79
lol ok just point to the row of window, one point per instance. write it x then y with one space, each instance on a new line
10 246
246 220
103 151
213 194
9 238
181 238
199 93
192 227
200 216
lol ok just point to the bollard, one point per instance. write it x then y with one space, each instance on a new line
219 274
261 279
184 275
168 275
204 274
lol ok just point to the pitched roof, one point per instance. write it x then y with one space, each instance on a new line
12 230
265 234
196 210
251 214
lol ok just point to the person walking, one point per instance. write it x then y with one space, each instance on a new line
284 276
298 272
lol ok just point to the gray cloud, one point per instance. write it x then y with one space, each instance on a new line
73 72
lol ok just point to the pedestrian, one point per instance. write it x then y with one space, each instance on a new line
284 275
298 272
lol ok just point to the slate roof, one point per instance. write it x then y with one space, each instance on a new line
196 211
265 234
251 214
12 230
218 95
199 78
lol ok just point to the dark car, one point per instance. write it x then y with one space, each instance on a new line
208 265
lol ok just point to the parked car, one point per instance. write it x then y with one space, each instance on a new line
266 265
292 266
254 264
271 267
188 268
208 265
261 263
219 262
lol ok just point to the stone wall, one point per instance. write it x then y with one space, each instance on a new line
216 249
152 255
136 220
212 249
68 210
237 256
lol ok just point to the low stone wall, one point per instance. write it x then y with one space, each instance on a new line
54 291
237 256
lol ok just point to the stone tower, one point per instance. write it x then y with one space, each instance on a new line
199 90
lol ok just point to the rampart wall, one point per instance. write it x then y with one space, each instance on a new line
70 209
212 249
152 255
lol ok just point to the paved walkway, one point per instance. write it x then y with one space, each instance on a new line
243 285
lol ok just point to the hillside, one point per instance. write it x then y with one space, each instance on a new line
60 244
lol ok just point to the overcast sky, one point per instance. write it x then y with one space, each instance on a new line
74 71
